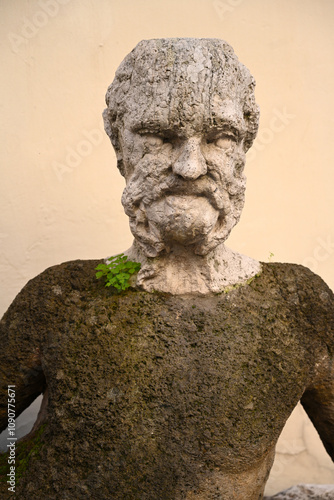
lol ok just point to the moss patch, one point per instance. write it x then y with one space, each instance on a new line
25 451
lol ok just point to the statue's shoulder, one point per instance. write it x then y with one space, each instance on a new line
48 290
62 279
75 273
308 295
295 277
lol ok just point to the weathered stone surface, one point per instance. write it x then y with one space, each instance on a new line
155 396
181 115
306 492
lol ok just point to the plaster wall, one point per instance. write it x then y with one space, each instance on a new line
60 189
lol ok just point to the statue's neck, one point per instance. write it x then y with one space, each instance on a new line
182 272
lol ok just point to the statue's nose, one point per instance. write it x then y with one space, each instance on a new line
191 163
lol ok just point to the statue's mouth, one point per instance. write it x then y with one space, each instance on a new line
196 214
201 188
185 219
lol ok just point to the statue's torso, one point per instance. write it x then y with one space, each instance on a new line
164 392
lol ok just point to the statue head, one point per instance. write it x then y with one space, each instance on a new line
181 114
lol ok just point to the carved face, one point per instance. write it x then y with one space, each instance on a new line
186 185
181 114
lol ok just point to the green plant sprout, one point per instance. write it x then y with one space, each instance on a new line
117 271
271 255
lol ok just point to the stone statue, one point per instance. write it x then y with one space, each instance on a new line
179 387
181 115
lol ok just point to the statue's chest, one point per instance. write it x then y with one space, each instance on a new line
222 366
197 376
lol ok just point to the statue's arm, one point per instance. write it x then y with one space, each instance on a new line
31 327
318 402
20 353
318 399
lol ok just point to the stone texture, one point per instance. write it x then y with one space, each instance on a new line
181 115
158 396
306 492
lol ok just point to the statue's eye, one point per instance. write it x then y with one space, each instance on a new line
224 142
154 140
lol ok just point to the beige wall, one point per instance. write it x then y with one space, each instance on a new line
60 189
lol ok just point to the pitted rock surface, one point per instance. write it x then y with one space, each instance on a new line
154 396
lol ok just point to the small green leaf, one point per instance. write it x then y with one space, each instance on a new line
117 271
100 266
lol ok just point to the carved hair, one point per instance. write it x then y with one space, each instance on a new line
179 70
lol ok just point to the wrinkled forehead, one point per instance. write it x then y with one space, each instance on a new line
182 84
185 117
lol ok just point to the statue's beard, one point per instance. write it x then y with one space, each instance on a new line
165 209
